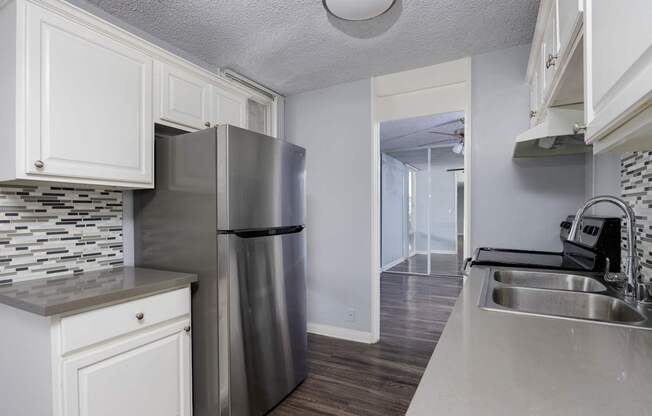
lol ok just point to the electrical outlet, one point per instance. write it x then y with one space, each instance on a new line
350 315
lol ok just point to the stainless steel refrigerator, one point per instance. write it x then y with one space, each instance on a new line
229 205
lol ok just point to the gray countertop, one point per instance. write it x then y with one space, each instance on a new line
494 363
55 296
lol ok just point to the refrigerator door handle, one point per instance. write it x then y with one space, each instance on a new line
268 231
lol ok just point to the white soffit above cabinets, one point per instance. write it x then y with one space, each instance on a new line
294 46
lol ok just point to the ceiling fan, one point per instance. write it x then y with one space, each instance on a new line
458 134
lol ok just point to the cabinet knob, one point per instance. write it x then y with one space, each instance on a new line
187 328
39 164
551 61
579 128
207 124
533 113
140 316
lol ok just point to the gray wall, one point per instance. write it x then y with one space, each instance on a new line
443 214
334 125
602 173
442 210
393 209
516 204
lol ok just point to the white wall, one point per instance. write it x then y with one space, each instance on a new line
334 125
516 204
393 210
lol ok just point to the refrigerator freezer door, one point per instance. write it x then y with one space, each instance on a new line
266 285
260 181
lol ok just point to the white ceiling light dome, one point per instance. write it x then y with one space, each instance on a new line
357 9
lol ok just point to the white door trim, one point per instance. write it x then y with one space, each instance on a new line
443 88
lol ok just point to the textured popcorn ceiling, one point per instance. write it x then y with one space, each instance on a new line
294 46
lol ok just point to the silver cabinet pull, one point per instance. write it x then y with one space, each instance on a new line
187 328
579 128
207 124
551 61
39 164
140 316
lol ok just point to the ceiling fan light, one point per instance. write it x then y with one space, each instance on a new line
458 148
357 9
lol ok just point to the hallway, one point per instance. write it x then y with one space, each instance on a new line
441 265
349 378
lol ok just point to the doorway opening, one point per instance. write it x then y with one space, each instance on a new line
422 195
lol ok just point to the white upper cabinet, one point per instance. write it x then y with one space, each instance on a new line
596 53
258 117
550 49
555 67
569 20
228 106
82 101
618 74
88 103
191 102
79 98
534 97
183 97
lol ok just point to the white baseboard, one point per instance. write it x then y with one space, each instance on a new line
443 251
437 252
341 333
393 263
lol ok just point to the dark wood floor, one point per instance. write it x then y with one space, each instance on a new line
349 378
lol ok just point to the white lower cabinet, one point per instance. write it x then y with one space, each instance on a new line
128 359
131 358
145 374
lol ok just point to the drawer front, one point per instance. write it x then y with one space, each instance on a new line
88 328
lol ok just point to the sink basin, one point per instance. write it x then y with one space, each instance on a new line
566 303
549 280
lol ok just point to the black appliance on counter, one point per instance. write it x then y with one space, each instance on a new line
598 240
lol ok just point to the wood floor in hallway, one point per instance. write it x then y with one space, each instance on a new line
349 378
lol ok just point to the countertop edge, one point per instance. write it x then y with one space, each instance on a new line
93 302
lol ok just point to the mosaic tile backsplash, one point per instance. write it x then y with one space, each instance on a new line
56 230
636 188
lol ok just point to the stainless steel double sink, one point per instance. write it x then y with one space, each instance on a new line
561 295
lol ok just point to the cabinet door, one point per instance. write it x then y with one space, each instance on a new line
618 63
550 50
145 374
89 103
569 14
534 97
259 117
183 97
228 107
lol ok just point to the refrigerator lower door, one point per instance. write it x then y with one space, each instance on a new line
263 339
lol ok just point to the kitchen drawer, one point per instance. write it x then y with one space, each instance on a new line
94 326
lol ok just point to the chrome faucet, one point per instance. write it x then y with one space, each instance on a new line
635 291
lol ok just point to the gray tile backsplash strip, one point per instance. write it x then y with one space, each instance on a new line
50 231
636 188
